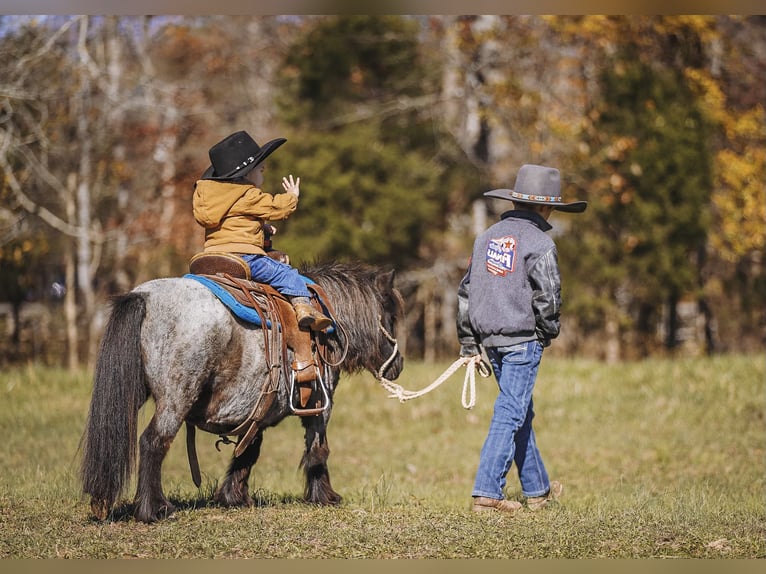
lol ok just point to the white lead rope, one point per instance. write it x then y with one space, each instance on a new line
469 382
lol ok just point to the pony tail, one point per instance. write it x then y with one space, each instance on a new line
119 391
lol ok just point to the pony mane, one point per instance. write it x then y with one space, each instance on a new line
360 294
341 276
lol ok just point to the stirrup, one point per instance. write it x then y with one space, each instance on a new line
301 412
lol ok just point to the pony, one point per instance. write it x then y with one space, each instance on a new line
171 339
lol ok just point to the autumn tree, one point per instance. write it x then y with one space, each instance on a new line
361 98
356 140
654 133
63 155
396 126
650 217
733 285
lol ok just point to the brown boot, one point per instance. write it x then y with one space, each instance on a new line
310 318
538 502
481 503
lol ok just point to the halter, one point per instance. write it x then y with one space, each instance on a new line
394 352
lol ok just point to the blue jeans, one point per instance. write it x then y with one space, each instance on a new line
281 276
510 437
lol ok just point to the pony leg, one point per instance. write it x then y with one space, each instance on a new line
318 489
234 490
150 502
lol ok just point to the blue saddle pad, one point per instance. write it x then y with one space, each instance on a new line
242 311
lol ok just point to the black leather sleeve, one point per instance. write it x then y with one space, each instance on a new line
546 302
469 346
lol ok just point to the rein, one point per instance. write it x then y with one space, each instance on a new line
468 397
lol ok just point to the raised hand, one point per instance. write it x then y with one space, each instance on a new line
292 185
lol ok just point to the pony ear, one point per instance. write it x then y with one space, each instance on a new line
385 284
385 280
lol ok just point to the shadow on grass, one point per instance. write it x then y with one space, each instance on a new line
124 512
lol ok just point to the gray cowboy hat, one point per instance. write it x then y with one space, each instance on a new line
538 184
237 154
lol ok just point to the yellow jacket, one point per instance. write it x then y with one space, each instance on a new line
233 214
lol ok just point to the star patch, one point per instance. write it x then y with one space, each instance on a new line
501 255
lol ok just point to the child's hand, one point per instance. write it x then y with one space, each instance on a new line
292 186
269 228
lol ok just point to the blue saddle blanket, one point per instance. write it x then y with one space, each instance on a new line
242 311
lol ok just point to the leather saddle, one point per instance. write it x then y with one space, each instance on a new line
219 264
233 274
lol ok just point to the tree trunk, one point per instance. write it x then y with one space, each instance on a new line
16 330
448 313
462 83
165 156
612 343
70 280
671 330
429 325
81 107
116 116
702 303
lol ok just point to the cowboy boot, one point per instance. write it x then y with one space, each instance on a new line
482 503
554 493
307 316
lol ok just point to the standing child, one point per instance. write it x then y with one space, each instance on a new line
229 203
509 302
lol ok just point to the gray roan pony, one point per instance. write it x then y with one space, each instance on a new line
173 340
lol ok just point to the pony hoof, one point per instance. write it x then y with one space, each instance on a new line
332 499
99 508
232 498
233 502
163 512
335 500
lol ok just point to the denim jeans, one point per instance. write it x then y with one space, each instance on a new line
510 437
281 276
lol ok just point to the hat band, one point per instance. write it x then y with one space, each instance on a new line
245 163
544 198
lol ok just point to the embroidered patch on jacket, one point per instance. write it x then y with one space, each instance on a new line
501 255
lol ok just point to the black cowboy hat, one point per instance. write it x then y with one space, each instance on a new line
538 184
236 155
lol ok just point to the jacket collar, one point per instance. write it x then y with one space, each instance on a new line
530 216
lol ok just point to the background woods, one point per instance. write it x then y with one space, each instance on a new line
396 125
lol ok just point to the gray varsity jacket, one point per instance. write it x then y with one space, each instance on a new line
511 292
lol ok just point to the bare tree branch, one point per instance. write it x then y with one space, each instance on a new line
23 62
28 204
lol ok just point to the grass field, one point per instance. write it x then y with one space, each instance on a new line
660 459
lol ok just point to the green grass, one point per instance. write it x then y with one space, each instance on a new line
659 459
